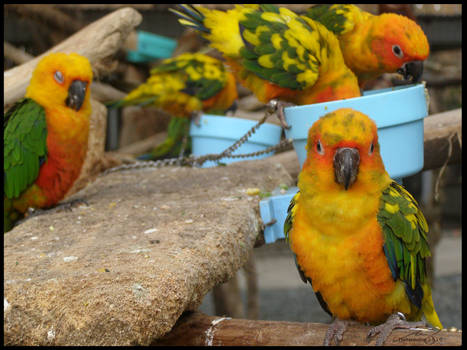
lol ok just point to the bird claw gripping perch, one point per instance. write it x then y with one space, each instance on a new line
277 107
396 320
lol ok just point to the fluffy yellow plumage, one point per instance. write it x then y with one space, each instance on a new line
358 237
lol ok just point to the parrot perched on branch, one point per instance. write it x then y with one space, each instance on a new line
358 237
184 86
276 53
373 45
45 135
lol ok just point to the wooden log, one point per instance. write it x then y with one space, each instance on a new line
443 132
145 145
14 54
98 42
197 329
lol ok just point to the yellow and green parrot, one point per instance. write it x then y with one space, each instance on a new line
184 86
358 237
45 135
276 53
373 45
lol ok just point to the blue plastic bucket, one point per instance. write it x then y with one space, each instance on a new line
150 47
216 133
398 113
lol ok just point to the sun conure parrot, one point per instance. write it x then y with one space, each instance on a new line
45 135
184 86
276 53
373 45
358 237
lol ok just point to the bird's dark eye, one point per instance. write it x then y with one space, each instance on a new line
397 51
319 147
58 76
372 148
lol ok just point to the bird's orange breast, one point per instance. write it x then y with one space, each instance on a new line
349 269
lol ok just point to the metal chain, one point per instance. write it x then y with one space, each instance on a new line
200 160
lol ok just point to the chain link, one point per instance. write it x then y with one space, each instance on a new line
200 160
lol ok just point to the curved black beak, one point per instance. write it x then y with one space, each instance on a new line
346 162
413 70
76 94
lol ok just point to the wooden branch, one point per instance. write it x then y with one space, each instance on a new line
105 92
197 329
49 14
98 41
145 145
441 130
14 54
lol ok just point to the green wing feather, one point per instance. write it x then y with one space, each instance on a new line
290 216
336 18
203 77
25 146
405 239
283 48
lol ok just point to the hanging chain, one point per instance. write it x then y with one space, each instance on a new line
200 160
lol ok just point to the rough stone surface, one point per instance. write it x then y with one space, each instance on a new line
121 271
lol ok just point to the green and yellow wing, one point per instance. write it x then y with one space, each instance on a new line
282 47
204 76
405 239
25 146
337 18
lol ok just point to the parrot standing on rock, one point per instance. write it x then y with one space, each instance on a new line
45 135
373 45
276 53
358 237
183 86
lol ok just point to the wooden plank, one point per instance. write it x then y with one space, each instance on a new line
197 329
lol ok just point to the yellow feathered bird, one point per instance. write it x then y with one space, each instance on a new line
45 135
183 86
373 45
276 53
359 237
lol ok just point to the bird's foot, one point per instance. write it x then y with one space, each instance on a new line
394 321
68 206
336 331
196 117
277 107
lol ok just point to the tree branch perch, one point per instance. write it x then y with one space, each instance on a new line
197 329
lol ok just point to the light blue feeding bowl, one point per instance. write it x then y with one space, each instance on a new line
216 133
398 113
150 47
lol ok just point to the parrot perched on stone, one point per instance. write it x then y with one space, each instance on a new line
45 135
373 45
184 86
358 237
276 53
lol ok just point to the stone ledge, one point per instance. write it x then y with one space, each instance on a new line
150 245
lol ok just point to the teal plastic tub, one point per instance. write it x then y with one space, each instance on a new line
216 133
151 47
398 113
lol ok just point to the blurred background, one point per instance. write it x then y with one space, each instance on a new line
269 286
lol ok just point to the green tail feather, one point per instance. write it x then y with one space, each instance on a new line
178 128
